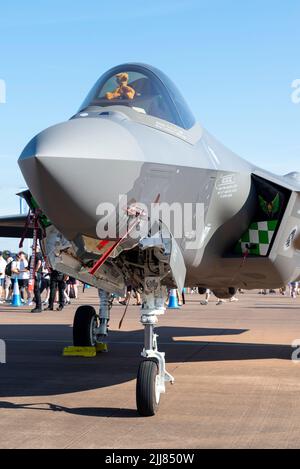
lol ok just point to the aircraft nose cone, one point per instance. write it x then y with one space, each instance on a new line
73 167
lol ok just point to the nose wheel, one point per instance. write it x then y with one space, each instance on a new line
147 388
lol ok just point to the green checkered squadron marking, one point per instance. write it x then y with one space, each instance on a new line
259 235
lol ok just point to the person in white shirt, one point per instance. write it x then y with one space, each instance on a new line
23 277
2 275
15 269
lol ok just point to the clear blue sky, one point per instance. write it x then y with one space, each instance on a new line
234 62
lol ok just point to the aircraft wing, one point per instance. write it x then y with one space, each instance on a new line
290 181
13 226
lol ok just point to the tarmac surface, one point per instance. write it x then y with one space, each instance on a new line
235 383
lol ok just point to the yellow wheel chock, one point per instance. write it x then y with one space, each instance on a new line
87 352
101 347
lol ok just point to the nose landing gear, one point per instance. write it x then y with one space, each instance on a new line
152 374
89 328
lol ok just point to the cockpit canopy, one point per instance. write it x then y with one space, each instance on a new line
143 88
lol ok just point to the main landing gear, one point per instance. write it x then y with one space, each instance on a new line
90 328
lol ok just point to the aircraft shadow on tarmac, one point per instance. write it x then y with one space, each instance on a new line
37 368
82 411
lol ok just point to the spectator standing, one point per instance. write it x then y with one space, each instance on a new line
72 288
56 282
45 283
15 270
7 283
38 267
137 295
24 277
2 276
207 295
293 289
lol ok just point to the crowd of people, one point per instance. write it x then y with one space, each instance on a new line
50 284
57 287
292 290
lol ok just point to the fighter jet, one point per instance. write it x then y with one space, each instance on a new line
134 148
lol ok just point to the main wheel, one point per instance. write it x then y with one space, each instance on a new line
147 388
84 325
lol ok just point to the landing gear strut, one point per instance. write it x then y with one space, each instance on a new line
89 329
152 374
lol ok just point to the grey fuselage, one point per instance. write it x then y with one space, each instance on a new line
100 153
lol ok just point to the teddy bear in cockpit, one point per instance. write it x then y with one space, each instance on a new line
123 91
